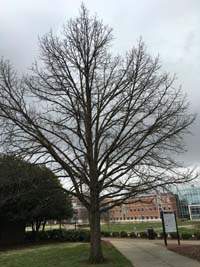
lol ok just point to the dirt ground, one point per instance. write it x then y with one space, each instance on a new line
192 251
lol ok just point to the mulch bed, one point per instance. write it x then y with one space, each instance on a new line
192 251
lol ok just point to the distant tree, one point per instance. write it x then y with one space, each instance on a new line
30 193
111 125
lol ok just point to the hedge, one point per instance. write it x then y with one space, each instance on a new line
60 235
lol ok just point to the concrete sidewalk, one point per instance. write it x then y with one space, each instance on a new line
145 253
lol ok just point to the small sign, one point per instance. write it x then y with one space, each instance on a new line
169 222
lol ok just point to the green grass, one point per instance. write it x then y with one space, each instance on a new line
59 255
184 226
130 227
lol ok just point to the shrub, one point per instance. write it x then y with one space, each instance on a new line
173 235
105 234
61 235
28 236
155 234
133 235
115 234
55 234
186 236
123 234
43 236
84 235
143 234
161 235
76 236
197 235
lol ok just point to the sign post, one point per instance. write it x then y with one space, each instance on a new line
169 224
75 215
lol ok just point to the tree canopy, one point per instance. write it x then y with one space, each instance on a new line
110 125
30 193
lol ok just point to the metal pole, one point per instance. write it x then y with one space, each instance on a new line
163 225
177 232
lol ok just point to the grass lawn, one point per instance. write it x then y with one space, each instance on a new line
130 227
59 255
184 226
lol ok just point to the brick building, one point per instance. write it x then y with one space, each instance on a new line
145 208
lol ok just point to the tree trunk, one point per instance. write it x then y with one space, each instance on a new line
96 255
44 224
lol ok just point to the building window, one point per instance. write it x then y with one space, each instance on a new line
131 218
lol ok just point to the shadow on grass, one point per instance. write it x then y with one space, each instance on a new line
60 255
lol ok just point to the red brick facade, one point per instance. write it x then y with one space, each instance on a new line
146 208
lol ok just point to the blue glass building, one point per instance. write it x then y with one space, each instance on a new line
188 201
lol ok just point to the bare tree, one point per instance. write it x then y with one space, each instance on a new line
109 124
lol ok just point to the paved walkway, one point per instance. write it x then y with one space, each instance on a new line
145 253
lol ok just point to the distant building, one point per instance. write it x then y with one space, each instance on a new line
145 208
188 201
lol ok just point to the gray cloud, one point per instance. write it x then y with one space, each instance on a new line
170 28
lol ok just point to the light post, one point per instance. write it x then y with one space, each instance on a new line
75 217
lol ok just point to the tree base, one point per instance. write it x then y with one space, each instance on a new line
106 261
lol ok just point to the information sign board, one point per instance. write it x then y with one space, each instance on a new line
169 222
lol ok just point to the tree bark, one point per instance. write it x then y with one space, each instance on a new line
44 224
96 255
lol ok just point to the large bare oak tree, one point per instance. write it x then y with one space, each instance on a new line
109 124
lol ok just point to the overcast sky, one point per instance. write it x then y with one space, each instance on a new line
170 28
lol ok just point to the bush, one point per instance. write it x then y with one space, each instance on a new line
161 235
55 234
43 236
28 236
105 234
84 236
197 235
133 235
143 234
186 236
173 235
155 234
123 234
31 236
76 236
61 235
115 234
